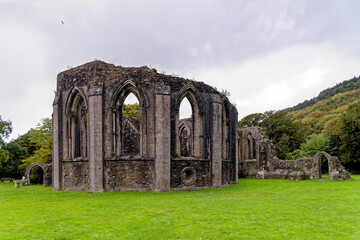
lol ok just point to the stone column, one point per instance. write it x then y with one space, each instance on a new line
236 144
215 144
162 137
95 121
56 130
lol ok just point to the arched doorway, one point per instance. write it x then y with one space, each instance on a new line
38 173
321 165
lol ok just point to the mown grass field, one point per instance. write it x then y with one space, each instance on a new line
254 209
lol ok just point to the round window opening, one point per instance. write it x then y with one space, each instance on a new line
188 176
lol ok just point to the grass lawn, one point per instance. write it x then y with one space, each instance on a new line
254 209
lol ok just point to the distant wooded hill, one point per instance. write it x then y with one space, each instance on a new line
342 87
322 114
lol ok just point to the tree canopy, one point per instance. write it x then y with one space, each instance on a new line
350 134
5 130
251 120
284 132
131 110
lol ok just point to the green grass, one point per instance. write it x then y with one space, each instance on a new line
254 209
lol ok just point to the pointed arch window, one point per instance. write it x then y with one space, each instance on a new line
128 128
250 152
189 132
225 142
77 126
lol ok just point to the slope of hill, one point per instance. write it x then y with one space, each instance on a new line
323 116
342 87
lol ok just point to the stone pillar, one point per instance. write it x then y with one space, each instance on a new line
215 144
56 160
235 140
95 130
162 137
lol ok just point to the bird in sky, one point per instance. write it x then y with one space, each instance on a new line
62 22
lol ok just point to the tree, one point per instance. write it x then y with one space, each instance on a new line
313 145
42 132
251 120
334 144
284 132
5 130
41 137
350 135
131 110
25 141
16 153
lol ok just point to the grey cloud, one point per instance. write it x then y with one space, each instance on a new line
174 36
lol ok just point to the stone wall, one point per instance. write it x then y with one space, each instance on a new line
131 136
257 158
76 175
202 173
108 144
227 172
125 175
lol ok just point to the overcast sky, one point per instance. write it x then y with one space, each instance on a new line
269 54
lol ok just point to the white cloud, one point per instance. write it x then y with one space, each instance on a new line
269 54
283 78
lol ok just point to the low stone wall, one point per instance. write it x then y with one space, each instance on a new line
305 164
294 174
202 173
255 144
250 167
76 175
227 169
129 175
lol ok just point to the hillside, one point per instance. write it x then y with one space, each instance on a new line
322 116
342 87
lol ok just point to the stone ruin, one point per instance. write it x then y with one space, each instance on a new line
258 159
97 149
47 174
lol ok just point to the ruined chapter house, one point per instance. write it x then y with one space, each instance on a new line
258 159
97 149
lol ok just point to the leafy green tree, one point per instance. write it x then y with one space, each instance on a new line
25 141
41 137
284 132
4 158
313 145
131 110
350 135
334 144
5 130
41 132
251 120
15 154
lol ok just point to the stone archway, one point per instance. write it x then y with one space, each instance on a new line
336 169
47 174
316 166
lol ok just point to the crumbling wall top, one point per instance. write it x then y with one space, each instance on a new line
98 72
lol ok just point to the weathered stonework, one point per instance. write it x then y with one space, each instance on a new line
257 158
131 136
139 175
47 174
202 171
96 149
